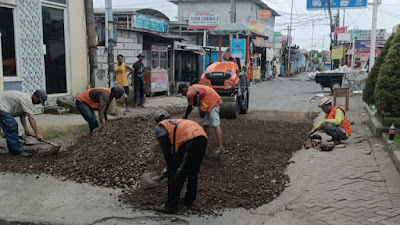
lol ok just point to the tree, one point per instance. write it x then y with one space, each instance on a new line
387 91
368 93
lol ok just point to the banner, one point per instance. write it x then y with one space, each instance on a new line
366 44
337 53
257 27
204 20
340 30
146 22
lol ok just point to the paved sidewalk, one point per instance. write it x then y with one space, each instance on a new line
345 186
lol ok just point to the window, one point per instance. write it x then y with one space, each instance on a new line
58 1
8 42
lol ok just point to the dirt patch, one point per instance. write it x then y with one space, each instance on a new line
249 174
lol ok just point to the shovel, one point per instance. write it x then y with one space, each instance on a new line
152 179
55 149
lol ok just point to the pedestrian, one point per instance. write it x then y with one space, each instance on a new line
138 81
13 104
209 102
183 143
335 124
121 77
97 99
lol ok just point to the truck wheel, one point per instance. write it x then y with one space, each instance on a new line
335 85
244 109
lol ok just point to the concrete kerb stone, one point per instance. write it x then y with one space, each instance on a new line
376 127
394 152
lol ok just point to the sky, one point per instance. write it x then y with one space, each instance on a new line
388 17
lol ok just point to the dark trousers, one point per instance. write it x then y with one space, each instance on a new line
88 114
185 165
10 130
139 87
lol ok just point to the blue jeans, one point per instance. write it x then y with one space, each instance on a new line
88 114
10 130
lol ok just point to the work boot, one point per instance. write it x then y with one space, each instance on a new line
165 209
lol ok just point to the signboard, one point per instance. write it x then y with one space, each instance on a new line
344 37
204 20
264 14
336 4
257 27
156 81
366 44
277 38
337 53
146 22
381 33
259 42
238 48
340 30
363 55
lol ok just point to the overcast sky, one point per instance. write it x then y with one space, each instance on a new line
388 16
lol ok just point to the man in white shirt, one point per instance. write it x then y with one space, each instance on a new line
13 104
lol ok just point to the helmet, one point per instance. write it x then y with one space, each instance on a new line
160 115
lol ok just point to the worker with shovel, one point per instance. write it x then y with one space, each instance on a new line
16 103
183 143
209 102
97 99
335 124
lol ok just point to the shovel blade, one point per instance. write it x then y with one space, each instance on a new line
150 180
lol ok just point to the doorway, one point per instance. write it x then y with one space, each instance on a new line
54 43
8 42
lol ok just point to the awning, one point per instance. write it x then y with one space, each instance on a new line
231 29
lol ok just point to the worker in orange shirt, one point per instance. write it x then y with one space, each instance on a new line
97 99
121 76
209 102
183 143
335 124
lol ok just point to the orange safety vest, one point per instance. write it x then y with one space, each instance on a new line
345 123
210 100
181 131
85 97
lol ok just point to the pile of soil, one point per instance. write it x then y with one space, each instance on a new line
248 174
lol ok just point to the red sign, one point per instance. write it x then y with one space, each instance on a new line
340 30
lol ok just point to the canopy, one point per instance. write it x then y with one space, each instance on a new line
231 29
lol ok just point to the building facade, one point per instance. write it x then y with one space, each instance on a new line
43 46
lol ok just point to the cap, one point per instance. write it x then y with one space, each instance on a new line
324 101
42 96
119 90
140 55
160 115
182 85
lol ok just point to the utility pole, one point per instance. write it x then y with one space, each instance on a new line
312 43
289 36
109 40
332 29
373 35
91 41
233 11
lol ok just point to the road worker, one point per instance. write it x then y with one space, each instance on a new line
183 143
335 124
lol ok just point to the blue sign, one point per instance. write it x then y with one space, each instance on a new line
151 23
238 47
336 4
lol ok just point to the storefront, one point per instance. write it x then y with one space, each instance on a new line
35 46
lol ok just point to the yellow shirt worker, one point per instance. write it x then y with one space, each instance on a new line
121 76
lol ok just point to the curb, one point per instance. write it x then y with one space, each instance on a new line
394 152
376 127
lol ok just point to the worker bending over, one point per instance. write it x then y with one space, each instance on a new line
209 102
183 143
97 99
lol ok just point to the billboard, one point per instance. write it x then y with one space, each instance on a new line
366 44
336 4
204 20
337 53
146 22
340 30
380 33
